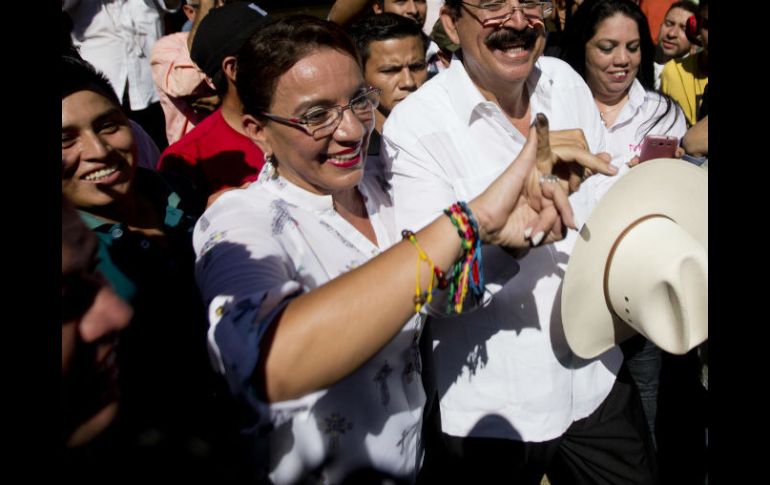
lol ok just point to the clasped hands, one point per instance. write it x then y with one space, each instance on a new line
526 205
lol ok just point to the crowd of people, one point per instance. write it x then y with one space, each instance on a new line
306 250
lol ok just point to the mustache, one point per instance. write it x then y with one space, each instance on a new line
504 38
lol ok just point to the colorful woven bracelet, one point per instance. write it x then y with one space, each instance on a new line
467 273
423 297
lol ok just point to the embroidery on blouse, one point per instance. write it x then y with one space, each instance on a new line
351 266
213 239
407 435
412 358
210 243
381 378
281 216
336 233
335 426
204 223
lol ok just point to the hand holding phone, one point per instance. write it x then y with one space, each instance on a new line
658 146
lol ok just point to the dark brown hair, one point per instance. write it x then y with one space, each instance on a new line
275 48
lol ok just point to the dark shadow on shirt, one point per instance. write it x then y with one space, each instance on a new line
497 317
227 169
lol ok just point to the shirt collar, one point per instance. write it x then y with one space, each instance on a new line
151 186
636 95
291 193
636 98
466 97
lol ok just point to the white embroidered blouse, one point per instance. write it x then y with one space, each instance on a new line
257 248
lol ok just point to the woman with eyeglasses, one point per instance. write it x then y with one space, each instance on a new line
609 44
312 317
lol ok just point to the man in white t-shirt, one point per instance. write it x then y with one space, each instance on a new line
515 402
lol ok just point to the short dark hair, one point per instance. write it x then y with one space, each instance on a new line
79 75
274 49
688 5
383 27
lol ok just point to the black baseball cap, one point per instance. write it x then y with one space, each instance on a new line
222 33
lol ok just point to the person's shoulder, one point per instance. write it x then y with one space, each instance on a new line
673 65
653 97
232 209
557 72
657 104
175 41
433 91
553 66
429 103
190 142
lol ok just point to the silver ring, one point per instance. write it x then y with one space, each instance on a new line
549 177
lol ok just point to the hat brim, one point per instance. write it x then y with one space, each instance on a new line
668 187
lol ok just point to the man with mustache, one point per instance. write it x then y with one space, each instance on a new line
514 402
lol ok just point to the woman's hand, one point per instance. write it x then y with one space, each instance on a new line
517 210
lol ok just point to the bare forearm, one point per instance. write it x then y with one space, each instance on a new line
326 334
696 140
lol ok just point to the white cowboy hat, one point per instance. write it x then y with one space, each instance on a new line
640 263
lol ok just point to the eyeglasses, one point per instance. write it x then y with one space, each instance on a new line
494 13
322 122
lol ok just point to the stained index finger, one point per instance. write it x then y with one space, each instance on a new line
544 154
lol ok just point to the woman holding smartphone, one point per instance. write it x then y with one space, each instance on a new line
609 44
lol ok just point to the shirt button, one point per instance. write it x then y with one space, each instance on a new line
144 244
117 233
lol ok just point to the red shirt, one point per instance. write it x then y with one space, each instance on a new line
214 156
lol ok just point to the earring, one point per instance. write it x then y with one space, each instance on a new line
271 167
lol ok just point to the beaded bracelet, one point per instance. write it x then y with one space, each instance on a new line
467 273
422 297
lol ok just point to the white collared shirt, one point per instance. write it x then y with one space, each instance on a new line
624 137
504 370
257 249
117 37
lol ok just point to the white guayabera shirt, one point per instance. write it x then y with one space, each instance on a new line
117 37
257 248
504 370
